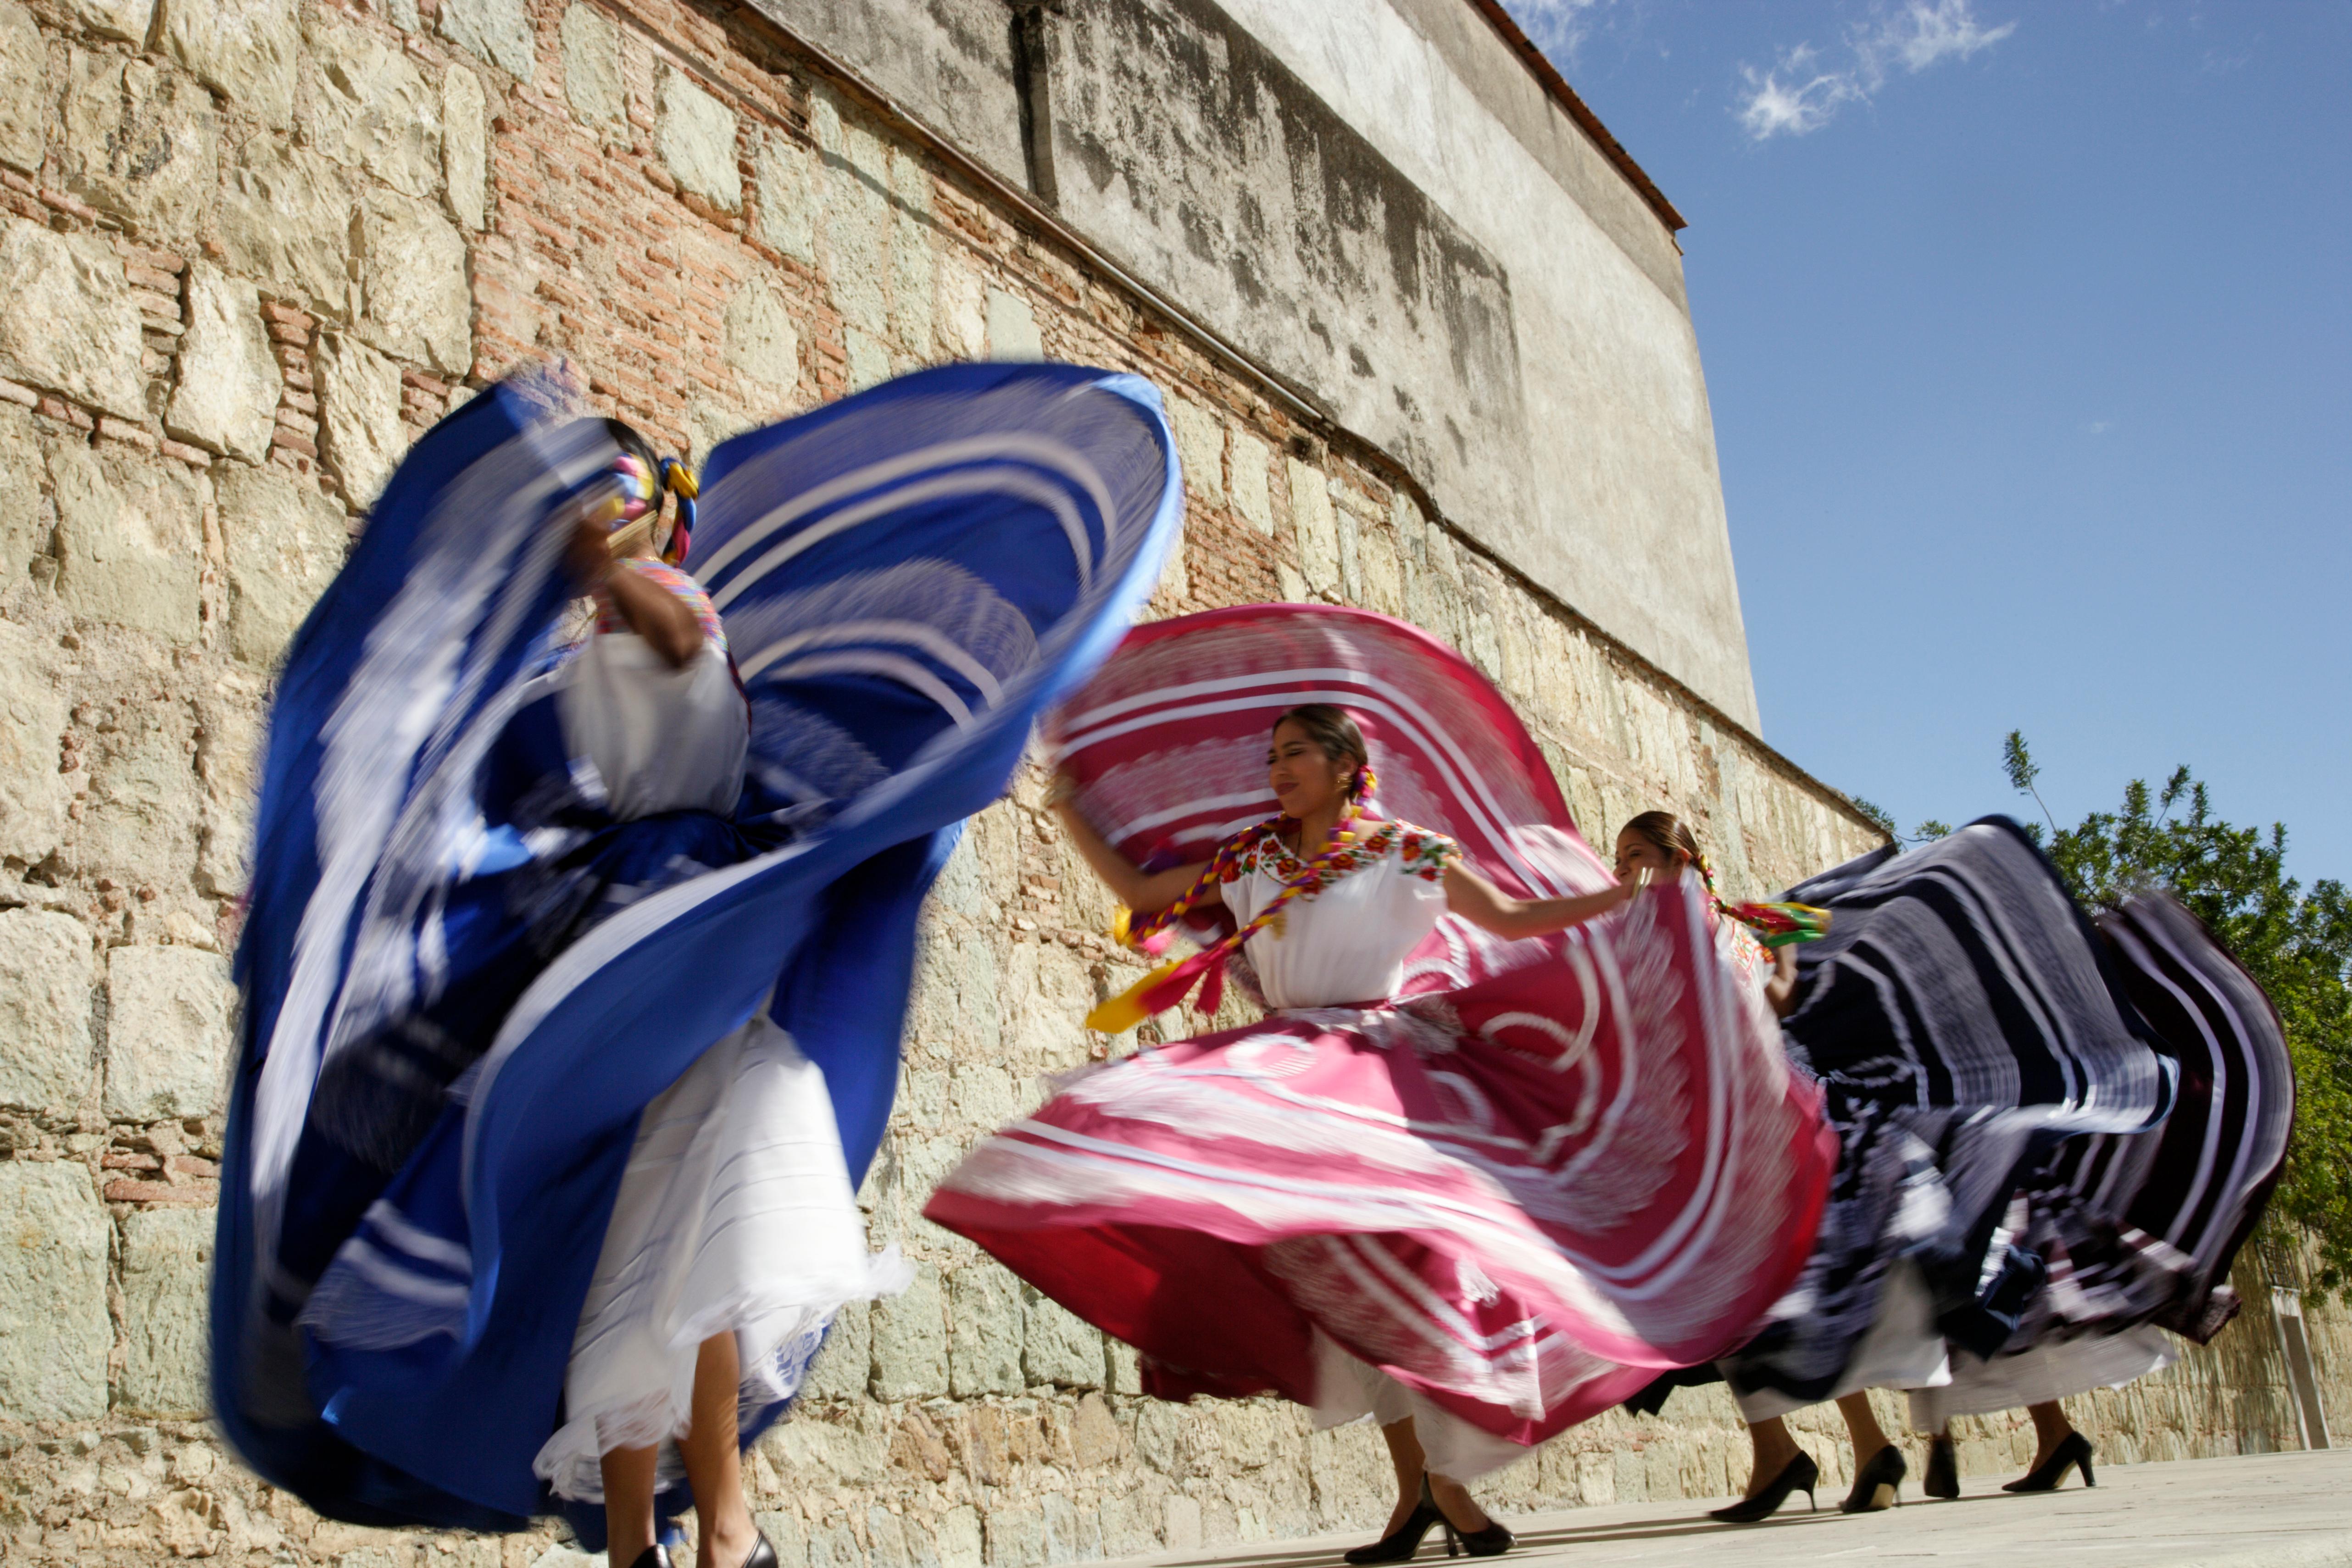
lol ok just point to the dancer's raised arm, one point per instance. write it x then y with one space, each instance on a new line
1140 890
1490 909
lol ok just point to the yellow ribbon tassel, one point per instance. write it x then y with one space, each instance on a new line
1126 1010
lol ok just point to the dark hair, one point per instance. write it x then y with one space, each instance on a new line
1329 726
1666 832
630 440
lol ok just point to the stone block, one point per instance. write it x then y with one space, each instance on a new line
55 1332
1314 525
957 1537
869 358
984 1338
124 19
418 304
129 537
465 146
1250 459
244 50
789 195
1012 329
373 110
286 218
359 414
24 89
1200 447
497 31
962 311
846 1363
285 541
23 476
1056 1345
225 397
910 1341
70 326
228 760
33 795
760 339
695 134
140 142
167 1032
167 1256
914 284
857 254
143 816
46 975
591 70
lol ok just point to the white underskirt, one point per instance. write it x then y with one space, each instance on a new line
1349 1389
1902 1350
735 1213
2041 1374
660 738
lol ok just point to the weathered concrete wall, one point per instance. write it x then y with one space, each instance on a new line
1378 200
247 257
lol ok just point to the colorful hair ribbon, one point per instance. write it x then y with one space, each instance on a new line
1775 925
682 483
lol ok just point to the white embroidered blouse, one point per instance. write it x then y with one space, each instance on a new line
1350 941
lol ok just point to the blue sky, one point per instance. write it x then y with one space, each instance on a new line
2028 330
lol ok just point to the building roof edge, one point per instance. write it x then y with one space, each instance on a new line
1545 72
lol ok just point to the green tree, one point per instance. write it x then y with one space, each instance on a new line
2296 945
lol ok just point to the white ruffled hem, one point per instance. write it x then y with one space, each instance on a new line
776 1340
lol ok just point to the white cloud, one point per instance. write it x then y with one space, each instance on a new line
1558 27
1801 93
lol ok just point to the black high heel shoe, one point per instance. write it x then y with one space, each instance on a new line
1491 1542
1399 1544
2046 1476
655 1556
1878 1484
1799 1474
1943 1477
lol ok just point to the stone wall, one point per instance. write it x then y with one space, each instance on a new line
247 250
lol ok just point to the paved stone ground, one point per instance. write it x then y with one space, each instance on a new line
2273 1511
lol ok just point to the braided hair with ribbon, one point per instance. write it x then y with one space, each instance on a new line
644 478
1774 925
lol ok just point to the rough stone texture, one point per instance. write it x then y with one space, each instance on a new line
142 820
790 196
359 405
496 30
46 975
373 110
590 47
1012 328
412 279
124 19
228 382
70 325
34 793
465 146
911 1342
167 1032
129 537
167 1256
23 515
140 141
760 342
246 49
285 221
695 134
54 1330
285 543
24 95
984 1334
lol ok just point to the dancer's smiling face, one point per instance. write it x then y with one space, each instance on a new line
1636 852
1304 777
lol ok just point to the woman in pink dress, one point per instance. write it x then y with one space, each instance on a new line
1510 1139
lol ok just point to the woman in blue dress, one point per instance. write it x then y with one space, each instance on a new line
574 977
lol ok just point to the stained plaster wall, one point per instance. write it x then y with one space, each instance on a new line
248 254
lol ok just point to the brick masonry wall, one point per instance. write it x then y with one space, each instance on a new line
248 249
